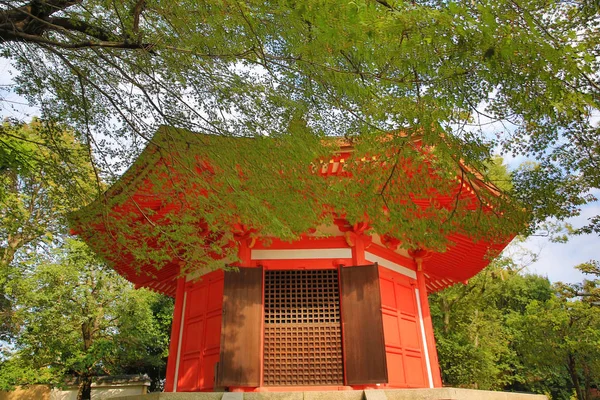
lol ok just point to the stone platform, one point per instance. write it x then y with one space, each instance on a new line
399 394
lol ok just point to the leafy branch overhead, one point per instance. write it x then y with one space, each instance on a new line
464 77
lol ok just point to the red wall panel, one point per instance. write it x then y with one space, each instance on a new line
201 333
402 331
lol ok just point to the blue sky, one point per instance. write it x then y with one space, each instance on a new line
556 260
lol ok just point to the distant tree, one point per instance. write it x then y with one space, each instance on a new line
470 321
588 290
80 319
45 172
508 330
560 337
152 320
497 172
64 312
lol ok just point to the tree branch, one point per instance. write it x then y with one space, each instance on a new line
69 24
20 36
385 4
137 11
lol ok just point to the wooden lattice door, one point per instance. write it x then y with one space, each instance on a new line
302 337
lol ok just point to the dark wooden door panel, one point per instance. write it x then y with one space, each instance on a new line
239 363
364 345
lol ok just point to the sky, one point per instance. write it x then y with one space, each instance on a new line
11 104
555 261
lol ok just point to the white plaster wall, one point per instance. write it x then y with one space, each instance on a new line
67 394
110 392
99 393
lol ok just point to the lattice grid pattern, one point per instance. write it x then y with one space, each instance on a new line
302 344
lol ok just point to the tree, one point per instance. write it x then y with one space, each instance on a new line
64 312
588 290
151 322
381 72
571 332
508 330
80 318
474 338
571 321
45 172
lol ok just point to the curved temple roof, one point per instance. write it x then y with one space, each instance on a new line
136 200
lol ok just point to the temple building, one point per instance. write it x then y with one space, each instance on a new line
341 307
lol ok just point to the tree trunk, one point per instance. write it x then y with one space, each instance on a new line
588 382
574 376
85 388
446 312
13 243
476 320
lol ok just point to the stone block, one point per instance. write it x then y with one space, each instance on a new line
274 396
334 395
176 396
457 394
375 395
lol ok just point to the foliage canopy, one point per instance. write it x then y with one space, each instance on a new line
80 319
442 71
513 331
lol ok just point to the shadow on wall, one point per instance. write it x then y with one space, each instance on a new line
103 388
34 392
241 334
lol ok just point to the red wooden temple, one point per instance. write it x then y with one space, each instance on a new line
348 310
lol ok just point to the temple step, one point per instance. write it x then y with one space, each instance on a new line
383 394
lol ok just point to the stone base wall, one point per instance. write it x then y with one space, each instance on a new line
400 394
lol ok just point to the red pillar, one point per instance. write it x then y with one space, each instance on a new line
244 252
358 251
175 331
429 337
